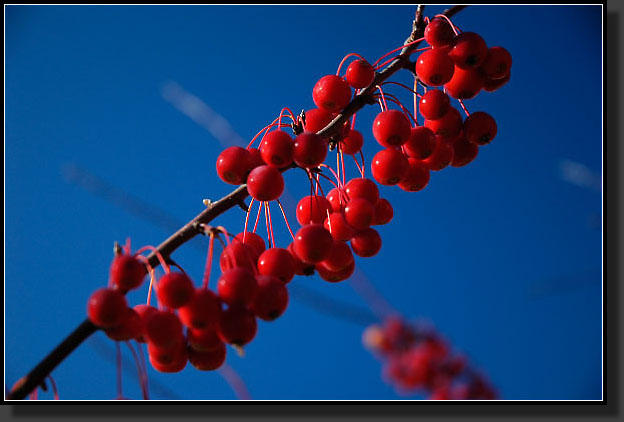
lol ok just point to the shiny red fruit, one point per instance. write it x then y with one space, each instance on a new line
469 50
238 254
439 33
316 119
203 340
338 226
202 311
417 176
421 143
465 83
277 149
312 243
130 328
337 199
366 243
434 104
277 262
497 63
480 128
361 187
233 164
207 360
335 276
127 272
255 158
162 328
237 286
434 67
383 209
106 308
312 209
301 268
339 258
167 355
352 143
391 128
360 74
237 326
359 213
491 85
310 150
271 300
265 183
441 157
389 166
463 152
331 93
251 239
448 126
175 290
144 312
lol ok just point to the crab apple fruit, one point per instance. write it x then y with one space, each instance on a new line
480 128
255 158
181 359
417 176
331 93
202 311
277 149
360 74
434 104
339 258
383 209
144 311
335 276
207 360
301 268
448 126
491 85
389 166
338 226
421 143
251 239
391 128
237 286
265 183
271 300
361 187
277 262
359 213
312 209
434 67
162 328
312 243
203 340
106 308
309 150
237 326
497 63
366 243
238 254
469 50
233 164
167 355
352 143
337 199
441 157
316 119
464 152
175 290
465 83
127 272
439 33
130 328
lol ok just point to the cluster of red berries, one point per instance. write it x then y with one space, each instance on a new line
418 360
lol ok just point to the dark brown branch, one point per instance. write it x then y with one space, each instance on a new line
36 376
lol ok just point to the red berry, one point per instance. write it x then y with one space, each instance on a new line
203 340
277 262
463 152
338 226
277 149
360 74
316 119
106 308
469 50
352 143
366 243
253 240
202 311
337 199
480 128
361 187
130 328
359 213
207 360
312 209
491 85
312 243
331 93
391 128
448 126
167 355
465 83
301 268
176 366
441 157
238 254
310 150
335 276
127 272
417 176
272 298
339 258
439 33
162 328
237 326
144 311
421 143
434 104
237 286
383 209
434 67
255 158
389 166
497 63
175 290
233 164
265 183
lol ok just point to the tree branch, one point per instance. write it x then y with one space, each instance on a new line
38 374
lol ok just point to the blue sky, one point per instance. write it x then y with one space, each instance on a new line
502 256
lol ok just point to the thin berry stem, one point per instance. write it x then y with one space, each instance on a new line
461 103
139 369
285 219
208 262
344 59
